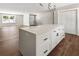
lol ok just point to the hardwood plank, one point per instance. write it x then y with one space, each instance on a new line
69 46
9 39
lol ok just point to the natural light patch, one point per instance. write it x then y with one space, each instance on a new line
8 19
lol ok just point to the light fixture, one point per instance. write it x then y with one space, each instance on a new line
51 7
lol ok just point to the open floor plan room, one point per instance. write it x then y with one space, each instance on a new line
39 29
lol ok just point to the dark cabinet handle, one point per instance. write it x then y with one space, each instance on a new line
45 39
57 34
54 31
45 51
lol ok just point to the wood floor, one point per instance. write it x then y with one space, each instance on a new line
69 46
9 40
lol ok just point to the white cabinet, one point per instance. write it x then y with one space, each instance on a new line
70 19
32 44
57 35
43 42
44 49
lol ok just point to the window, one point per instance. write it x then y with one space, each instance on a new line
8 19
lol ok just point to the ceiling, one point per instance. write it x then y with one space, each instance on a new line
29 7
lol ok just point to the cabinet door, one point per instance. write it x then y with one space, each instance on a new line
53 38
68 19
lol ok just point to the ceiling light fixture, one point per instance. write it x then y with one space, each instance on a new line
51 7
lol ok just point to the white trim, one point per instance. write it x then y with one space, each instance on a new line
67 10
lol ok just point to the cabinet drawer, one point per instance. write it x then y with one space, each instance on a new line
43 38
44 49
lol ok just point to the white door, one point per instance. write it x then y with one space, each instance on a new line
69 20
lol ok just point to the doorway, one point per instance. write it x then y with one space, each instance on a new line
32 20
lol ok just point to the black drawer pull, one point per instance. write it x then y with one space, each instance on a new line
54 31
45 39
45 51
57 34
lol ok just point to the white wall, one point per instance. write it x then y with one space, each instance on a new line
41 18
44 18
21 9
26 19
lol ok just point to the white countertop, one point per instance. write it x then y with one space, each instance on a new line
40 29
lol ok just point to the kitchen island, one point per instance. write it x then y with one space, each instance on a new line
40 40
